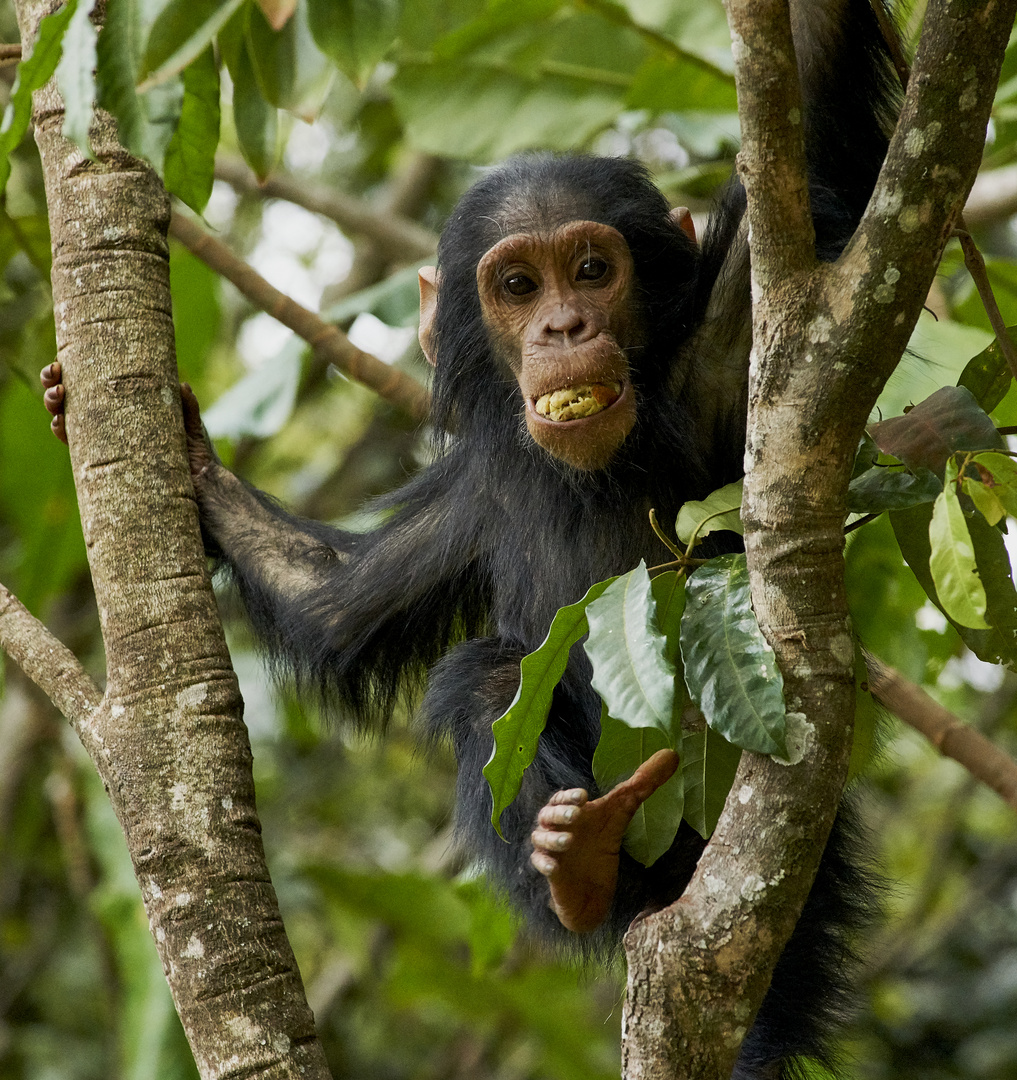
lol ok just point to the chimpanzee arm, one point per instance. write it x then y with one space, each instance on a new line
354 615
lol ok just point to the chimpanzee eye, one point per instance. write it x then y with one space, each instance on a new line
592 269
520 284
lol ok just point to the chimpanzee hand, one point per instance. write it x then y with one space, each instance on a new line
53 399
577 842
200 454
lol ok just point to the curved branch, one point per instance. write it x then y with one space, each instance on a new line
401 239
46 660
948 733
328 340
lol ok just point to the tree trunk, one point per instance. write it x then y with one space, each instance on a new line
167 736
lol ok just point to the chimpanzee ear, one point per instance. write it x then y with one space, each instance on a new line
428 279
682 217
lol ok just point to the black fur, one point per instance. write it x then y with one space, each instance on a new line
479 550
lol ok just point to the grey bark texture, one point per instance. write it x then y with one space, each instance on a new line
825 338
167 736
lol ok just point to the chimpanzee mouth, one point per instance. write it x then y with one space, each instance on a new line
577 402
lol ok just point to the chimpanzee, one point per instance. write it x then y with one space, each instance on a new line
589 364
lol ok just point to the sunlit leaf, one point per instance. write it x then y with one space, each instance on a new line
517 731
720 510
1002 474
626 648
985 499
952 562
730 669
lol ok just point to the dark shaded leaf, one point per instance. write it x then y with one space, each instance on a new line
946 421
190 155
882 489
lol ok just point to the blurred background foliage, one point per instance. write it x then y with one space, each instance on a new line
375 113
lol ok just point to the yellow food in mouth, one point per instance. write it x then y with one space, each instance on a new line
576 402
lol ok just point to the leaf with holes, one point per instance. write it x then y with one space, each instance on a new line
730 669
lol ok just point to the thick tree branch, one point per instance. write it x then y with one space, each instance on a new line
400 238
168 737
328 340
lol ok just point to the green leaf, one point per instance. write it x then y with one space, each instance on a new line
709 764
75 75
1003 473
32 73
291 70
621 750
626 648
255 120
190 156
882 489
730 669
182 30
354 34
985 499
678 84
987 375
196 310
719 510
952 562
517 731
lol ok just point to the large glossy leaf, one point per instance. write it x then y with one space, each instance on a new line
952 558
32 73
626 648
621 750
709 763
730 669
75 75
190 155
517 731
720 509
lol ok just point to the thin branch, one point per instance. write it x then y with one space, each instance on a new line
327 340
948 733
10 54
980 276
401 238
46 660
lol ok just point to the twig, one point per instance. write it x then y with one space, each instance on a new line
10 54
46 660
948 733
976 268
391 383
401 238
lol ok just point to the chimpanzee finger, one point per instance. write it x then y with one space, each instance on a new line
59 427
51 374
573 796
557 814
546 840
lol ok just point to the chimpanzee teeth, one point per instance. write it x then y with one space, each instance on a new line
575 402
